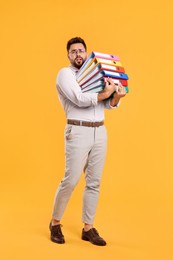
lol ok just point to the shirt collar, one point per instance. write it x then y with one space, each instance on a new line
73 69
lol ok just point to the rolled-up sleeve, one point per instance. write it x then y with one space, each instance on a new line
67 85
108 105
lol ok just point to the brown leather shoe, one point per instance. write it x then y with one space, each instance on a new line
56 234
93 236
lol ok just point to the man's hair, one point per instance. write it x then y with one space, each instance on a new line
75 40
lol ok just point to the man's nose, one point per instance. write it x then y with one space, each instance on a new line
77 54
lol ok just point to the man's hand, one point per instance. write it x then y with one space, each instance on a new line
120 92
109 88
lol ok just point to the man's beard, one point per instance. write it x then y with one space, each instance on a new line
78 62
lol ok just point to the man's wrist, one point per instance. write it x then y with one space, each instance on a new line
114 101
101 96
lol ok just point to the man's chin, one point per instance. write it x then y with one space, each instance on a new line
78 65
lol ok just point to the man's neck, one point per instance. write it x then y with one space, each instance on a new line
73 68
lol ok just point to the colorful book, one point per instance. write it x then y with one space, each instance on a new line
99 87
124 82
98 65
93 55
94 85
103 81
94 63
104 73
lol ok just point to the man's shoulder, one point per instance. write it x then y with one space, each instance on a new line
65 70
65 73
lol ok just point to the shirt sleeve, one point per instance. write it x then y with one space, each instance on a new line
108 105
67 84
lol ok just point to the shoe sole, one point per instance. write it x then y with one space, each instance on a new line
61 242
86 239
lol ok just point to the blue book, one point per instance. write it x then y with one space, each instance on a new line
104 73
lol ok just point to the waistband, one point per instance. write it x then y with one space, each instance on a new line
84 123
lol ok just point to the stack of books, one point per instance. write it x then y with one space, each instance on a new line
97 68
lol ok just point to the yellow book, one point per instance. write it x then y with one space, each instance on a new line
94 62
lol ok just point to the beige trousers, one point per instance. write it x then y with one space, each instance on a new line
85 150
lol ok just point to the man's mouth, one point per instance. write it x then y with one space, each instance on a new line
78 59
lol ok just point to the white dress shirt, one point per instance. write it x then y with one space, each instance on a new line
78 105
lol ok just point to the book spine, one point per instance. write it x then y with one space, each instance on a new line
124 82
106 56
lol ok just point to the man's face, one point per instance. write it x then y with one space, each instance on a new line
77 55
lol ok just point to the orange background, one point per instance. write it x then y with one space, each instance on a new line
135 208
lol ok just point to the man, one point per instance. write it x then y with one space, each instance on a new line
85 142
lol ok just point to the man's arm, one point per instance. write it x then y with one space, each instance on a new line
66 81
119 93
109 89
67 85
